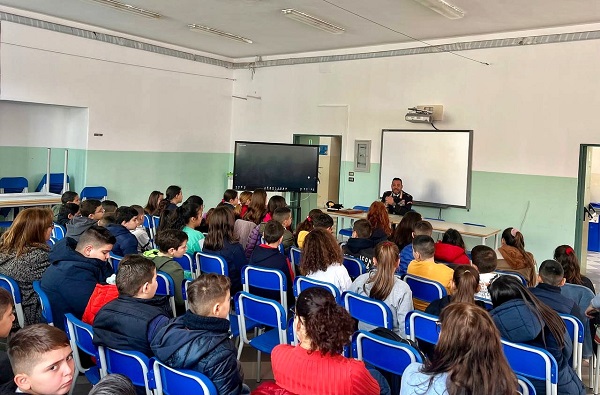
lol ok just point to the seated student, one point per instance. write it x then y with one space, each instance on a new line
7 317
67 212
140 232
360 245
75 269
513 257
322 221
308 224
243 201
110 208
268 255
190 216
425 266
403 234
171 243
173 196
283 215
230 199
113 384
67 197
257 209
322 259
200 339
126 220
484 258
406 254
451 249
42 361
131 321
565 255
379 219
550 279
464 286
275 203
153 201
91 212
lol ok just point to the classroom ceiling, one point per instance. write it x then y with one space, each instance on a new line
367 22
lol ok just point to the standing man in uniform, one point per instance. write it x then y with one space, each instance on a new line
397 201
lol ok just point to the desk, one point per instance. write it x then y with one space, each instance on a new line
481 232
28 199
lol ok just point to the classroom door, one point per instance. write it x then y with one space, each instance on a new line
587 230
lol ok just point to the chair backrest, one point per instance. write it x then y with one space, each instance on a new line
56 183
51 242
99 193
519 276
265 278
187 263
525 386
114 261
371 311
11 286
488 303
260 310
576 330
131 364
58 231
210 263
355 266
155 222
424 289
14 185
422 326
170 381
184 288
80 337
295 255
532 362
44 302
301 283
385 354
166 286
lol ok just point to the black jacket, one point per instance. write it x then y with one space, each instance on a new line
202 344
363 249
552 297
233 253
124 323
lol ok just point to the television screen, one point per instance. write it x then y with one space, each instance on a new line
275 167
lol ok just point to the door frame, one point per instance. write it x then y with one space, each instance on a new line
579 215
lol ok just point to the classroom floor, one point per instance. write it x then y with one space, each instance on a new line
593 268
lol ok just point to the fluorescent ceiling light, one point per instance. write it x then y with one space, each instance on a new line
448 10
210 30
129 8
312 21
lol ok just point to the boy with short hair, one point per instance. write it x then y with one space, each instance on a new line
75 269
424 266
110 208
67 197
360 245
485 259
200 339
7 317
91 212
67 212
322 220
126 220
283 215
171 243
406 255
550 278
131 321
42 361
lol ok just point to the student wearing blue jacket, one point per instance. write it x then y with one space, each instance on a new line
126 220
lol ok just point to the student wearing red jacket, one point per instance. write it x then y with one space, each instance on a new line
451 249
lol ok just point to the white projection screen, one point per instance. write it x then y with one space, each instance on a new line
435 166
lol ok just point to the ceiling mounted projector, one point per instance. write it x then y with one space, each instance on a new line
419 116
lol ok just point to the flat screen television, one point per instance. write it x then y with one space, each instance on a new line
275 167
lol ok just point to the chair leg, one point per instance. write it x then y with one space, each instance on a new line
258 353
240 347
591 370
596 373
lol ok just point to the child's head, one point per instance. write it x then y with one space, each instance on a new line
275 202
140 213
137 277
172 242
423 248
7 315
153 201
220 228
362 229
195 199
308 223
91 208
69 197
283 215
514 238
451 236
245 198
109 206
127 216
273 232
403 234
174 194
565 255
379 217
42 360
208 295
320 251
423 228
465 284
386 260
323 221
96 242
551 273
190 215
112 384
68 210
230 196
484 258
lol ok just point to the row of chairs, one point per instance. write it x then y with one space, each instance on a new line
21 185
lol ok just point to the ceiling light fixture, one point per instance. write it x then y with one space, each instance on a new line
216 32
444 8
312 21
129 8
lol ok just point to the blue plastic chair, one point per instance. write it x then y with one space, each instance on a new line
114 261
525 386
12 286
188 264
149 224
12 185
184 288
370 311
576 330
488 303
155 222
355 266
265 278
51 242
424 289
170 381
301 283
347 232
419 325
44 302
132 364
98 193
56 183
211 263
166 286
519 276
80 336
295 256
266 312
385 354
532 362
58 231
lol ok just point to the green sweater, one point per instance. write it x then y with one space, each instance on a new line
168 265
